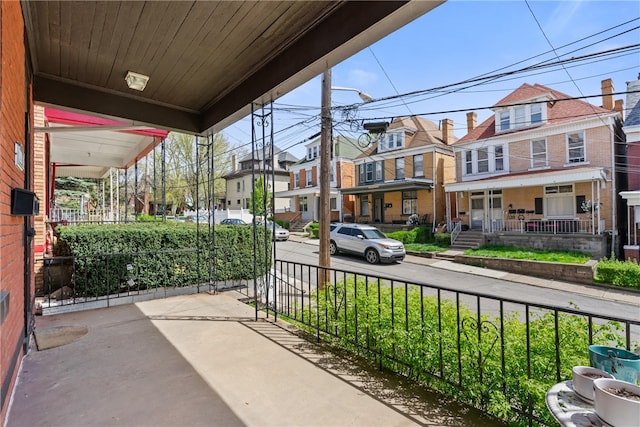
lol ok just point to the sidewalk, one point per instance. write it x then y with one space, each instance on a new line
599 291
203 360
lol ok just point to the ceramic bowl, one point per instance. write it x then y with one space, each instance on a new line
583 377
622 364
613 409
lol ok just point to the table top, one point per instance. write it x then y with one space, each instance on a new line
569 409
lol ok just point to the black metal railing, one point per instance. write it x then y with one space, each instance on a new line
497 354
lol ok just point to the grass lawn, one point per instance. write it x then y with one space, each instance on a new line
424 247
529 254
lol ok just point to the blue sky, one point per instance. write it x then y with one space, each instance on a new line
460 40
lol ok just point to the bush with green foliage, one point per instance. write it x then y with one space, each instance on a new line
501 366
443 239
159 254
416 235
313 229
618 273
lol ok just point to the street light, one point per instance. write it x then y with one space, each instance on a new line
364 96
324 261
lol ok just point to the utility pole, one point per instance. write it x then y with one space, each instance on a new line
325 191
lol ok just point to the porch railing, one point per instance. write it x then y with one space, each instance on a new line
483 350
455 232
551 226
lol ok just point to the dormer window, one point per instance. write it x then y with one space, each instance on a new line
520 116
312 152
391 141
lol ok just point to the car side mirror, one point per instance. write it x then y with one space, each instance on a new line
360 236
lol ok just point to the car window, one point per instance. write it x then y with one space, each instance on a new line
373 233
345 230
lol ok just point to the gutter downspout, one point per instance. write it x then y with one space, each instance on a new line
435 186
614 198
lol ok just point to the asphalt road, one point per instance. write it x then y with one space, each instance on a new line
551 295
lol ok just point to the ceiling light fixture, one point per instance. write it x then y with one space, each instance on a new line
136 81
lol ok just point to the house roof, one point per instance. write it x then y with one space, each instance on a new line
633 104
208 62
557 111
421 133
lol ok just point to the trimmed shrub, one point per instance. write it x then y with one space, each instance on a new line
313 229
416 235
618 273
110 257
443 239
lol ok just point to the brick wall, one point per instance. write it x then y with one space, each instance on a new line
12 129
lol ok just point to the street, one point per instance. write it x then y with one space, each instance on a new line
454 280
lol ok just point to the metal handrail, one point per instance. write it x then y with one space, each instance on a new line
457 228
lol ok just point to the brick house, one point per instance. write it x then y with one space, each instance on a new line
631 195
403 172
304 182
239 183
542 165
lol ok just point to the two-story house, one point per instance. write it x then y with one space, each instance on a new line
543 164
403 171
240 181
631 195
304 193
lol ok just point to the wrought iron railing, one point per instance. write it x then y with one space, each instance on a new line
497 354
551 226
455 232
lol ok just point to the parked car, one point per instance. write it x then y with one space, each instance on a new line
365 240
281 233
233 221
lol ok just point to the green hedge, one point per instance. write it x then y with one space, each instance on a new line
416 235
110 258
619 273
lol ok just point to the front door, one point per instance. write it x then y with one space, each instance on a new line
378 211
477 212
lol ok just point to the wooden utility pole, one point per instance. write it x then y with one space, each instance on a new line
324 261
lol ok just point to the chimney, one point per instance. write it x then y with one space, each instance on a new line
447 131
619 106
234 163
607 94
472 121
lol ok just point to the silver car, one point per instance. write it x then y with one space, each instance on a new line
365 240
280 233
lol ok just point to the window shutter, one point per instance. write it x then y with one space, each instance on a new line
579 201
538 203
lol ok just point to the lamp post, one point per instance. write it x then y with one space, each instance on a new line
324 261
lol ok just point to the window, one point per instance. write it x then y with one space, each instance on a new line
296 180
333 204
417 165
379 171
303 204
576 148
483 160
519 120
559 201
238 187
369 176
312 152
504 120
409 202
391 141
364 205
536 113
539 153
332 175
309 180
238 202
400 168
498 155
468 160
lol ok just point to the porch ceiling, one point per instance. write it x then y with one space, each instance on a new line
534 179
207 60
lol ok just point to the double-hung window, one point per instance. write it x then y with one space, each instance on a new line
468 162
498 155
364 205
379 171
504 120
400 168
483 160
418 169
309 177
303 204
409 202
519 117
538 153
536 113
296 180
576 148
559 201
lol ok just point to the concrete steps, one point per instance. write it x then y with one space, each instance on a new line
468 240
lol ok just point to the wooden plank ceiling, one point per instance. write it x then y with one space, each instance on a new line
207 60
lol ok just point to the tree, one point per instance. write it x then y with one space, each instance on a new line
71 192
261 202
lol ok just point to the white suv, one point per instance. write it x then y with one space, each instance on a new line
365 240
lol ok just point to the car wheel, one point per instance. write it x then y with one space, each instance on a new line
372 256
333 248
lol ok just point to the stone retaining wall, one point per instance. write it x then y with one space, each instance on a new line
578 273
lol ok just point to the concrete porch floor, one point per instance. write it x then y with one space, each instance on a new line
203 360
